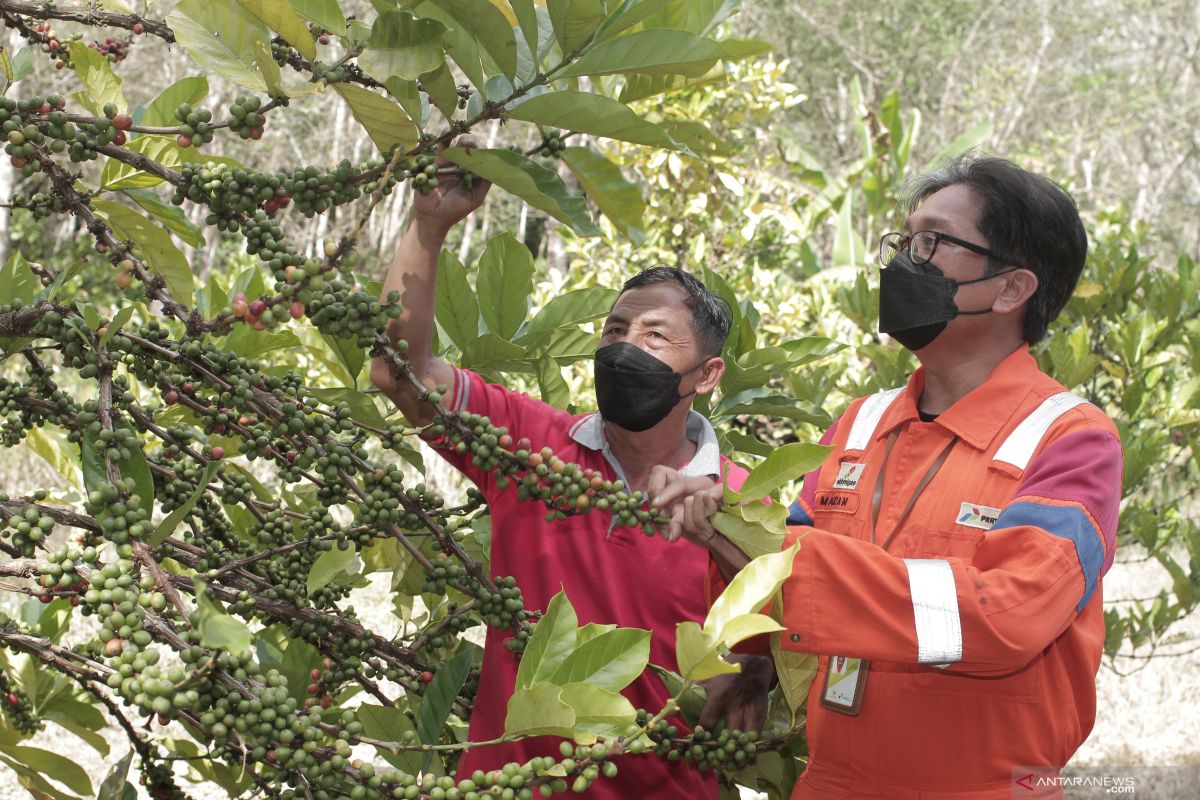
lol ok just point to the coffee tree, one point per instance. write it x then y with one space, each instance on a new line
228 502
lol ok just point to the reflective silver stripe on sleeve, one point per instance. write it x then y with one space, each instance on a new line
1018 447
867 418
935 610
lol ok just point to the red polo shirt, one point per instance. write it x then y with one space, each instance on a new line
610 574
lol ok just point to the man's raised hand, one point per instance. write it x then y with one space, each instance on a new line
449 202
691 501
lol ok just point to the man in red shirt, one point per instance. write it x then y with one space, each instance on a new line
660 345
953 544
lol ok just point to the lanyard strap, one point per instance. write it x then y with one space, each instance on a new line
877 495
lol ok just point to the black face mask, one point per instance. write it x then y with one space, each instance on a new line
916 301
633 388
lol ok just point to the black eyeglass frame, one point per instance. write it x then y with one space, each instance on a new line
904 242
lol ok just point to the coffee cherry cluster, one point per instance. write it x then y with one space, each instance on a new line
245 119
15 706
724 748
120 519
59 574
353 315
423 173
28 529
112 49
53 46
194 129
552 143
157 777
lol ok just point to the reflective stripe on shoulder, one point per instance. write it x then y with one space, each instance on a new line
1018 448
868 416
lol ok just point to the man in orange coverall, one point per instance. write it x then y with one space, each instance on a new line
954 540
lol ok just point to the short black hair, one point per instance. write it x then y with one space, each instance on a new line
711 318
1028 219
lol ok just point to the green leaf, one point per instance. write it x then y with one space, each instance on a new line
102 84
439 84
118 321
552 386
490 27
220 630
60 768
402 45
528 180
848 247
440 694
331 564
617 198
539 711
385 121
176 517
326 13
796 672
17 281
756 528
59 453
650 52
552 641
351 356
788 463
113 787
172 217
389 725
457 310
630 13
611 660
160 149
965 141
527 21
691 702
284 20
505 284
572 308
575 21
749 591
95 474
221 37
362 407
22 64
410 98
249 343
491 353
161 111
272 75
598 711
152 243
696 653
594 114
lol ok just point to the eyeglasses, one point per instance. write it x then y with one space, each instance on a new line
922 245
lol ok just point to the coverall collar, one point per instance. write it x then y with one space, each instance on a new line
982 414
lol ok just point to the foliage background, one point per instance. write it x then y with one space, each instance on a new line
819 137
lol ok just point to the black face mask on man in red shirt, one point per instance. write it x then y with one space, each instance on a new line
633 388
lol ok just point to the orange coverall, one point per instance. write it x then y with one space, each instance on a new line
975 594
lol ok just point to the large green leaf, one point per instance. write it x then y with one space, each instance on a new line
66 771
552 387
575 21
103 85
848 247
219 629
490 27
611 660
528 180
95 474
617 198
249 343
696 653
329 565
505 284
283 19
796 672
389 725
161 111
491 353
385 121
628 14
403 46
756 528
160 149
748 592
572 308
552 641
598 710
651 52
326 13
362 406
457 309
778 406
527 20
595 114
539 711
221 37
176 517
443 93
113 787
59 453
172 217
439 695
152 243
788 463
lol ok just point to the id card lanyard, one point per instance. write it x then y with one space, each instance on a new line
846 677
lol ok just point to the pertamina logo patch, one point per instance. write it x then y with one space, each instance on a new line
974 515
848 475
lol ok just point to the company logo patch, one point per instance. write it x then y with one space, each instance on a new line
974 515
849 475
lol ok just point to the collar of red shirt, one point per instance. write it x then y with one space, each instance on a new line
589 432
978 417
